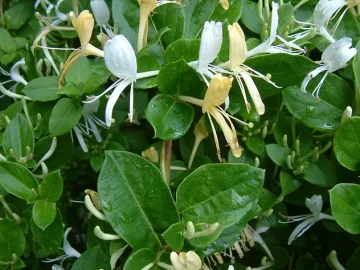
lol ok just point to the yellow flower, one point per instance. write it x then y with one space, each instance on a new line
225 4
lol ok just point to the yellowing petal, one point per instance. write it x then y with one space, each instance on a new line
84 25
254 92
217 91
238 49
225 4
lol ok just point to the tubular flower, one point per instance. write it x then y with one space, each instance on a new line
225 4
267 47
235 67
215 95
120 59
185 261
69 251
146 7
90 126
334 57
211 40
102 15
315 205
84 25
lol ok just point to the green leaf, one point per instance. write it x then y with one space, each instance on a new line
286 73
49 239
321 173
42 88
288 183
174 236
222 193
65 115
99 76
356 69
147 63
170 118
18 14
79 72
255 144
324 114
250 17
17 136
7 43
43 213
345 206
140 259
12 240
198 12
92 259
175 25
278 154
177 78
96 162
187 49
286 17
17 180
347 144
136 200
51 187
267 199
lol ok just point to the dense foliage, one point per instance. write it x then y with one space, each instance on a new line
179 135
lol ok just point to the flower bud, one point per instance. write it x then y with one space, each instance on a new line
84 25
237 49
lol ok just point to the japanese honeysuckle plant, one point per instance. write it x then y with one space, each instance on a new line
179 135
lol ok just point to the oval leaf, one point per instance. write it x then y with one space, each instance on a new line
51 187
42 88
65 115
140 259
321 173
43 213
345 206
170 119
136 200
92 259
12 240
347 144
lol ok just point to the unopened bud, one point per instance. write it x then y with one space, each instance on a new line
346 114
288 162
151 154
297 147
326 147
300 170
39 65
285 141
257 162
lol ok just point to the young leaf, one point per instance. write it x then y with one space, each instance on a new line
321 173
17 180
65 115
137 210
93 258
43 213
51 187
42 88
174 236
140 259
17 136
12 240
170 119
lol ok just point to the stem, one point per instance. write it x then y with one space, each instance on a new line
8 209
147 74
293 128
300 4
194 150
2 13
75 7
23 101
334 261
192 100
165 160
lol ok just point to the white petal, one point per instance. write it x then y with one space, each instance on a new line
301 229
94 128
274 22
101 11
211 40
82 143
15 72
120 57
338 54
69 250
62 16
113 98
90 108
324 10
314 204
311 75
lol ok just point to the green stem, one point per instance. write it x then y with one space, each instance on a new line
165 160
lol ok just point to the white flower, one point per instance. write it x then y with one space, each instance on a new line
185 261
334 57
15 73
120 59
267 47
90 126
69 251
48 6
211 40
102 15
315 205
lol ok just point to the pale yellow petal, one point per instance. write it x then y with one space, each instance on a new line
84 25
237 49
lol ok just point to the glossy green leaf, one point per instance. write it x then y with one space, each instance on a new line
43 213
137 210
17 180
51 186
222 193
140 259
347 144
49 239
98 77
79 72
92 259
65 115
278 154
286 73
187 49
345 206
12 240
174 236
170 118
267 199
17 136
178 78
288 183
321 173
255 144
324 114
147 63
286 17
42 88
96 162
198 12
250 17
